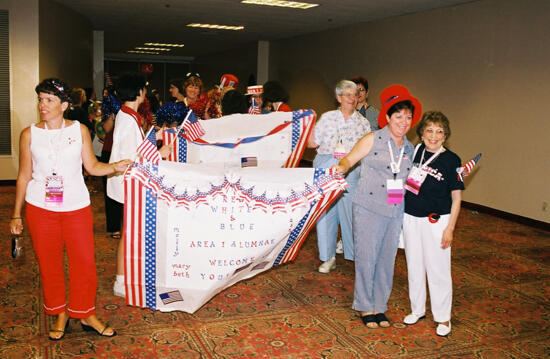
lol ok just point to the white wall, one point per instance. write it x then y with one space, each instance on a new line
23 18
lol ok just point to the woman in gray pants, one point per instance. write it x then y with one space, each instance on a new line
385 157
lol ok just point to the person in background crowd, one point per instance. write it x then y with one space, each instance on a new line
194 98
214 106
154 100
386 159
334 136
127 136
77 112
432 205
113 209
254 94
50 182
368 111
275 96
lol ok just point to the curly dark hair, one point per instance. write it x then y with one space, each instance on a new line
361 80
234 102
274 92
56 87
436 118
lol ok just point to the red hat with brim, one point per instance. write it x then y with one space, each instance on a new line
392 95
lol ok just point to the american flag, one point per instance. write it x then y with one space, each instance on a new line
467 168
249 162
148 148
254 109
192 126
171 297
179 145
140 222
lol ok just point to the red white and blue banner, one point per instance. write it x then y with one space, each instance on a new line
192 230
273 140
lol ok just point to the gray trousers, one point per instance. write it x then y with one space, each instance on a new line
375 241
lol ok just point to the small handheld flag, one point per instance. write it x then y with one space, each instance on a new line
467 168
254 109
192 126
148 148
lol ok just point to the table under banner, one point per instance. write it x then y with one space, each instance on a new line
193 230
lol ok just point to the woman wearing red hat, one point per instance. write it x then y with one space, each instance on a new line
378 205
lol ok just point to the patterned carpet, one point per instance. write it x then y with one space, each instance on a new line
501 307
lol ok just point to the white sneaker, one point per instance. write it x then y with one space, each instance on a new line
339 247
119 289
443 330
328 265
413 318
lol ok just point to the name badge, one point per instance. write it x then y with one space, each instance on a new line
54 191
340 151
415 179
395 191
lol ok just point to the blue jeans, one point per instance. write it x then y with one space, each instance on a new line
338 213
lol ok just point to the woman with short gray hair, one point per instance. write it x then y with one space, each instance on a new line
334 136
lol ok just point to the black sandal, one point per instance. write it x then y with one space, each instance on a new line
89 328
369 318
381 317
62 331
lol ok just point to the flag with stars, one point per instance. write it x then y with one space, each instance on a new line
192 231
148 148
254 108
277 139
467 168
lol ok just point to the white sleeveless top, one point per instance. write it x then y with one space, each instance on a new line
67 144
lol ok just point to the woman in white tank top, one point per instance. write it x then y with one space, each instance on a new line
51 155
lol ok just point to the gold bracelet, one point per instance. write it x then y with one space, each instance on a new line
16 217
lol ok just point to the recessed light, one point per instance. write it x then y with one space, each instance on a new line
292 4
217 27
143 52
152 48
162 44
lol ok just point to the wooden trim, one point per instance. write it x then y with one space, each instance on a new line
508 216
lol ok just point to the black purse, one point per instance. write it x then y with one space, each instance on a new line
16 247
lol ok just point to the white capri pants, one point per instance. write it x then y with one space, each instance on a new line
426 257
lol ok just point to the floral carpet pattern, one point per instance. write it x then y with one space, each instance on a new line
501 305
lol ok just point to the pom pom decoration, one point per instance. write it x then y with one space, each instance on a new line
171 112
109 105
467 168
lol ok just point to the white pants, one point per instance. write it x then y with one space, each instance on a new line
426 257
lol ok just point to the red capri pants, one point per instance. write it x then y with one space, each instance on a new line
50 232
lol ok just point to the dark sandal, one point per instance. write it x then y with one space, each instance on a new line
89 328
369 318
115 235
62 331
381 317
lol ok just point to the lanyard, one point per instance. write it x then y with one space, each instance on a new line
55 150
395 167
431 158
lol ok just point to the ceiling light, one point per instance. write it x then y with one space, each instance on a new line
162 44
152 48
143 52
292 4
218 27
